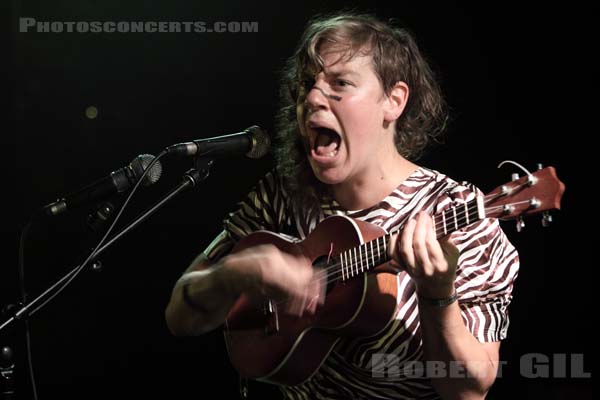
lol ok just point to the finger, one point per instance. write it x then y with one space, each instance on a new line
315 292
303 303
321 286
295 306
313 300
392 251
434 248
311 306
422 261
405 247
312 292
297 302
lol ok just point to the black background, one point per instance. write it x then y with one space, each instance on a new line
512 76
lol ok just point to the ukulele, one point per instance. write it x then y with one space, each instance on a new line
270 345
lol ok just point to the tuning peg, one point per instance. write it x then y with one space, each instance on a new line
539 166
546 219
531 180
520 224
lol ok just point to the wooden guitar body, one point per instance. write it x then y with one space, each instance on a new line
267 344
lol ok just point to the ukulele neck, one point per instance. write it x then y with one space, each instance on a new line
367 256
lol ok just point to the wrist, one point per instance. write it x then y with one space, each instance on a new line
435 289
437 302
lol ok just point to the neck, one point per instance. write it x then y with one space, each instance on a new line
370 189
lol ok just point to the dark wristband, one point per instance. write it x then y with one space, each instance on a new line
438 303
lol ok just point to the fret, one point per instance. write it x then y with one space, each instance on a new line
348 262
444 222
342 257
372 254
355 262
467 213
480 207
455 219
362 268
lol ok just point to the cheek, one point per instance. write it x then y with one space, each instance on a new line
363 120
362 116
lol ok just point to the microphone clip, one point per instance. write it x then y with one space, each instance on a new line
202 164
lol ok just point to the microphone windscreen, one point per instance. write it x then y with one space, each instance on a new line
141 163
261 142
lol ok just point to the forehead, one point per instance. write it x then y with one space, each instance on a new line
337 58
334 61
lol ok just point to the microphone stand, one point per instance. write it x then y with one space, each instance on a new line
20 311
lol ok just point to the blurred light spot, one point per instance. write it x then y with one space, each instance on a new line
91 112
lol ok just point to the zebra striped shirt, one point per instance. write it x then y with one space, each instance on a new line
487 268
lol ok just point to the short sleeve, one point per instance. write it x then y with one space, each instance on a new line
261 209
487 268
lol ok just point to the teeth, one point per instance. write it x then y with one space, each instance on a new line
331 153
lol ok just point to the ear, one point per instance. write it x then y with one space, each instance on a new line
395 102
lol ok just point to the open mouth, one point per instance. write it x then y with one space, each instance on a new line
327 142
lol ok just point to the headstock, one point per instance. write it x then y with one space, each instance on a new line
538 192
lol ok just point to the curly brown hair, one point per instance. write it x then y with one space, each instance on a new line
395 56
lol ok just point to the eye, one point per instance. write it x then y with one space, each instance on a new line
342 83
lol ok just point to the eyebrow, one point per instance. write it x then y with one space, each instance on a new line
342 72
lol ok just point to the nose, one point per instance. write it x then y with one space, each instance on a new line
316 99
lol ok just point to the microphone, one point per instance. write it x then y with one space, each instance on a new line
118 181
253 142
7 372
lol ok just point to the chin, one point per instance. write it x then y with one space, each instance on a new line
329 176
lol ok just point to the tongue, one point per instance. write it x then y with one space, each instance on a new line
326 142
